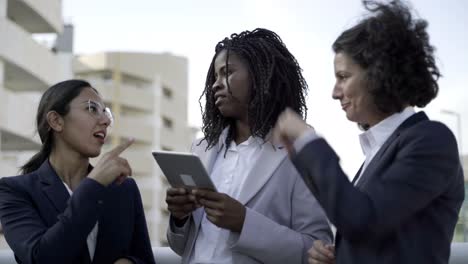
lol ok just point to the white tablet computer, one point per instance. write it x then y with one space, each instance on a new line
183 170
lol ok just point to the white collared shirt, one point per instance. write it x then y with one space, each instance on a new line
92 236
373 139
229 174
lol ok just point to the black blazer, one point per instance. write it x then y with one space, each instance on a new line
405 206
42 224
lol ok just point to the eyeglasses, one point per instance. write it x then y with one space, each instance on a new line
98 111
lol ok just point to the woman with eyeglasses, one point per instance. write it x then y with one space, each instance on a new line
62 210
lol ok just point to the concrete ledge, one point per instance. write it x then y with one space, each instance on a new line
164 255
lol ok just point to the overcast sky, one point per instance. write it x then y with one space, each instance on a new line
308 27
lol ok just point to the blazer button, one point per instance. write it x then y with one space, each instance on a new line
100 202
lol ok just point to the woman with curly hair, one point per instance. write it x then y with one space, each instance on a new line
262 212
403 204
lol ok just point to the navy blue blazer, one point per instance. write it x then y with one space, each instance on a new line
43 224
405 206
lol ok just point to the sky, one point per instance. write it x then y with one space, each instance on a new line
308 28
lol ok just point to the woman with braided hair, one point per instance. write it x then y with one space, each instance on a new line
262 212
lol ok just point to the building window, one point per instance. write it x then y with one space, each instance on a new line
107 76
167 92
167 122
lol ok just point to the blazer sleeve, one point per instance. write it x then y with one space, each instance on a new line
31 240
141 251
269 242
425 163
177 237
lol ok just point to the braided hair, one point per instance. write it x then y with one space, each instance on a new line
277 83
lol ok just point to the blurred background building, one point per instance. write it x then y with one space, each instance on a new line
146 92
27 68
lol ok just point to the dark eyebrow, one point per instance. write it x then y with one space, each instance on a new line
229 65
341 72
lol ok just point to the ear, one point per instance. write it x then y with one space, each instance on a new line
55 121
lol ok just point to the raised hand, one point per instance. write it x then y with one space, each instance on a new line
288 128
111 167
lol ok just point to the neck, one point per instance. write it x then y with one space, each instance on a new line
242 132
374 120
71 167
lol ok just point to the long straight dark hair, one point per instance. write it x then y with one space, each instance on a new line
57 98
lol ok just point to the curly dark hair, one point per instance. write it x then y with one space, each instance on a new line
394 50
277 83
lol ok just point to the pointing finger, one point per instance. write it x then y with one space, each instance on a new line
120 148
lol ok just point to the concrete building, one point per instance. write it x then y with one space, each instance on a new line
27 68
148 97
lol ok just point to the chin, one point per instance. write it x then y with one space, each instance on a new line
94 153
350 117
226 112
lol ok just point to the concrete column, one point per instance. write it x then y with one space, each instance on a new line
2 73
3 8
2 95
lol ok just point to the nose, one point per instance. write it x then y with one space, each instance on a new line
337 92
218 84
106 120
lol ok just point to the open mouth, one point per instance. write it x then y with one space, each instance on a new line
100 135
219 100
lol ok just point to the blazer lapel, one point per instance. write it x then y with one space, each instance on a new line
357 174
376 160
105 229
207 157
58 196
269 159
53 187
380 155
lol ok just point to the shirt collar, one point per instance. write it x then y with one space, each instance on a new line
376 136
68 188
251 140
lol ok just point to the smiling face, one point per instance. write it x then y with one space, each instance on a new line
351 90
84 127
234 104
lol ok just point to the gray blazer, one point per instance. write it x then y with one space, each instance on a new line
282 217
